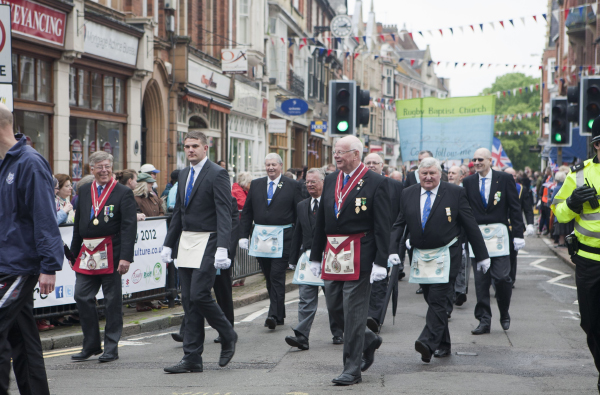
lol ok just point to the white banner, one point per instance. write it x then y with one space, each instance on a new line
145 273
208 79
109 43
234 61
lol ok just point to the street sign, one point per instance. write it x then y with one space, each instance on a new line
318 126
5 46
6 95
294 107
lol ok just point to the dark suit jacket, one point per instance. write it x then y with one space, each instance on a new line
122 226
507 208
281 211
411 179
526 204
395 191
438 230
303 232
235 229
375 221
208 209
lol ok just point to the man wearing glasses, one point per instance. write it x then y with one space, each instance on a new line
494 200
353 230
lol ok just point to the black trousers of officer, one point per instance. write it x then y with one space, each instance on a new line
20 339
587 279
377 299
348 304
499 272
274 270
86 288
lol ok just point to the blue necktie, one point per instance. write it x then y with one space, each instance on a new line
270 193
482 192
190 186
335 207
426 210
100 188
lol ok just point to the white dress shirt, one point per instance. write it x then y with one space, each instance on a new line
434 192
275 183
312 202
417 176
488 185
197 169
351 173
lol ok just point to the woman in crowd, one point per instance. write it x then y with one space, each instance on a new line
239 190
148 203
65 212
128 177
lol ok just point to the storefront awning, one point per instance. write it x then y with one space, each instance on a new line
376 148
194 96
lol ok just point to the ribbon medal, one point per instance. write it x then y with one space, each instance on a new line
357 204
364 204
449 213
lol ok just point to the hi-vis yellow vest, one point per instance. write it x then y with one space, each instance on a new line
587 224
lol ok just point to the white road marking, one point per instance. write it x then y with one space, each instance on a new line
537 256
255 315
554 280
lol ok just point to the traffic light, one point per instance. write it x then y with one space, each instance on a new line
342 107
590 104
560 132
363 98
573 96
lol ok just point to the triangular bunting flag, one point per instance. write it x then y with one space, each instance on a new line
455 64
441 32
472 28
502 24
356 55
382 37
481 26
421 33
282 40
492 25
511 22
429 62
394 36
451 30
365 39
461 29
411 36
291 40
535 18
329 52
545 17
594 8
375 57
522 20
412 62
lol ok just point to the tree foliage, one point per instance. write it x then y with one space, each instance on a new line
515 145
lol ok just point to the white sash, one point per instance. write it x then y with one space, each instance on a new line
191 249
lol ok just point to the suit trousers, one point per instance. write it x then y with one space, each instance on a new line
377 299
86 288
274 270
499 272
461 283
348 303
20 339
436 333
222 289
198 304
307 309
587 279
513 261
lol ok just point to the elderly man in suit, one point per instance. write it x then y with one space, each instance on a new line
435 213
353 230
105 220
374 162
494 200
271 206
302 243
202 224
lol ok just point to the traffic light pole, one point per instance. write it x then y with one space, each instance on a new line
559 156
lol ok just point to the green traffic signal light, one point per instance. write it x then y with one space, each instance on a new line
342 126
557 138
590 123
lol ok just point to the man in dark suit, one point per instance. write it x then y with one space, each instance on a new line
301 243
105 210
374 162
435 213
202 224
271 202
494 200
354 216
412 177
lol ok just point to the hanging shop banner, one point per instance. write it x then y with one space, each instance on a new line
450 128
208 79
109 43
36 21
147 271
234 61
277 126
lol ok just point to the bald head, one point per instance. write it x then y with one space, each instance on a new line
347 153
374 162
396 175
455 175
482 158
512 172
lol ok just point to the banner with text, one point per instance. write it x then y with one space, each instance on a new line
145 273
450 128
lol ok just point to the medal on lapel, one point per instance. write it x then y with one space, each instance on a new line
357 204
98 202
111 208
364 204
95 221
106 209
449 213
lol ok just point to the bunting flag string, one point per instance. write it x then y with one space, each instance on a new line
519 91
515 133
518 117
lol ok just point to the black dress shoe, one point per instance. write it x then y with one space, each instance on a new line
83 355
481 329
338 340
372 324
227 350
401 275
217 339
369 354
184 367
460 299
505 322
298 341
419 291
449 314
346 379
271 323
177 337
442 353
108 357
424 350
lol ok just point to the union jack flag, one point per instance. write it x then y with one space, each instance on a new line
499 157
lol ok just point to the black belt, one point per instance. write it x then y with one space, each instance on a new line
586 248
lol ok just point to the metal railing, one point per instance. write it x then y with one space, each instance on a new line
295 84
244 265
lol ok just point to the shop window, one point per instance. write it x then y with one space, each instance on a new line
215 119
119 89
97 91
84 89
197 123
108 93
35 127
27 78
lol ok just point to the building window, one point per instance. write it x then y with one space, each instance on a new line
98 91
32 78
243 21
36 128
551 73
278 142
389 78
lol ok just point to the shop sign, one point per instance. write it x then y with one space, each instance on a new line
92 147
247 100
318 127
234 61
208 79
37 21
109 43
6 95
294 107
107 148
277 126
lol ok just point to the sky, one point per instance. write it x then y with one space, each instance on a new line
522 44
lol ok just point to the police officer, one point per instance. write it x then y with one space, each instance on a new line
577 200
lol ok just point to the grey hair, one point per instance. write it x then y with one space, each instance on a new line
430 162
100 156
357 145
275 156
85 180
244 179
318 171
426 152
560 176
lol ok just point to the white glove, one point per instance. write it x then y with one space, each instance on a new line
378 273
243 244
175 263
519 243
408 247
292 267
394 258
530 230
484 265
166 255
221 259
315 268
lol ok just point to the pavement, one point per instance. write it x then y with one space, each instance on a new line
543 352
